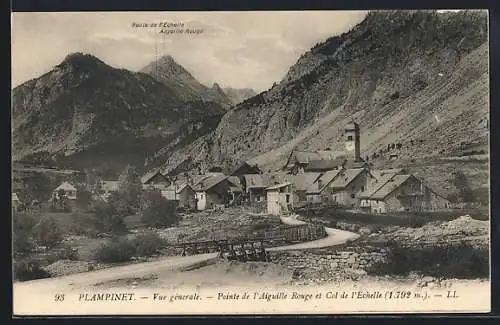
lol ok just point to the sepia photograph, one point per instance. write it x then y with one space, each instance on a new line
250 162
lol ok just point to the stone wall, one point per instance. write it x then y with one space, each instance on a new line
333 263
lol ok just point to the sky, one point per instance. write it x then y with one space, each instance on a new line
234 49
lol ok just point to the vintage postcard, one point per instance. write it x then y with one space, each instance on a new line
265 162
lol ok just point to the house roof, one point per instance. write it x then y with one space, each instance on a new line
345 177
236 182
150 174
325 179
177 188
390 186
373 185
167 169
66 186
305 157
245 167
209 182
325 164
198 178
274 187
355 164
382 172
264 180
14 197
109 186
256 180
302 182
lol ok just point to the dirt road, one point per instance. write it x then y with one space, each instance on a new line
334 237
164 266
139 270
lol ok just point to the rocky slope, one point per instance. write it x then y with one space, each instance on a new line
238 95
182 82
86 113
418 78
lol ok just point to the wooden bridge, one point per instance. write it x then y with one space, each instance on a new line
251 248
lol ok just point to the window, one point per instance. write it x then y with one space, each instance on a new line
352 196
288 198
362 188
349 138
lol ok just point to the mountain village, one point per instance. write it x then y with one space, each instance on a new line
326 177
307 180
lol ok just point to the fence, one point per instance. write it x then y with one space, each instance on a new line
299 233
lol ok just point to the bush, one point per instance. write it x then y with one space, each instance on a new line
120 204
108 219
22 232
130 187
47 232
118 249
22 242
83 197
450 261
83 224
148 244
67 253
28 270
156 211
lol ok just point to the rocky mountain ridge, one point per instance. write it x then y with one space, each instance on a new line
413 80
85 112
238 95
167 71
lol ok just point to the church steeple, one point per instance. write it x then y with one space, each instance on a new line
352 142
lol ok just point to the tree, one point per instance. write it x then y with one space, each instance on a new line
465 193
108 219
120 204
38 186
22 232
156 211
83 197
130 186
93 181
47 232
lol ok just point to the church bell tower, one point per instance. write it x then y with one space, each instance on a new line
352 142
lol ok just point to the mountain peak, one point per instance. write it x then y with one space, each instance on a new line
166 59
216 86
79 58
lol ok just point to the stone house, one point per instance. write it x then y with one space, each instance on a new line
280 198
299 161
184 194
66 189
155 178
380 177
316 192
255 185
339 187
405 193
302 183
245 169
213 192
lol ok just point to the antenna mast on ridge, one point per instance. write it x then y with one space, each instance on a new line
156 58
